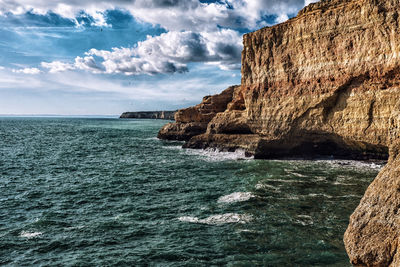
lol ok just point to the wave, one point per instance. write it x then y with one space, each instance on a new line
263 186
354 164
211 155
236 197
173 147
30 235
304 220
219 219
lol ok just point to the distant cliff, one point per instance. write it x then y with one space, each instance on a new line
325 83
162 115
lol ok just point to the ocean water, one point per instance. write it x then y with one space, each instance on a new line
79 192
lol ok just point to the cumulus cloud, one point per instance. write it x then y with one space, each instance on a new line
307 2
168 53
196 31
174 15
27 71
57 66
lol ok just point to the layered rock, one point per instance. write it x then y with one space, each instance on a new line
373 235
161 115
325 83
193 121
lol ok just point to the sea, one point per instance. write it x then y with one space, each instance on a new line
107 192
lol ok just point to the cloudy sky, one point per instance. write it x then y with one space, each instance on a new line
87 57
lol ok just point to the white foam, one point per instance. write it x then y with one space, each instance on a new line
218 219
30 235
210 154
329 197
354 164
173 147
350 196
286 181
320 195
340 183
248 231
236 197
304 220
296 174
266 186
152 138
189 219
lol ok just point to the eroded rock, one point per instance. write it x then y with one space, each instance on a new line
325 83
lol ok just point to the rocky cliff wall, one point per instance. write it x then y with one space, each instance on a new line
162 115
327 78
325 83
193 121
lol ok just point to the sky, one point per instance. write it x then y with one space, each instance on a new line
97 57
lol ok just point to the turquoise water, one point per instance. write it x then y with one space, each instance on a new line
106 192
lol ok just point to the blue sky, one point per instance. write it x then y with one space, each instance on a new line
92 57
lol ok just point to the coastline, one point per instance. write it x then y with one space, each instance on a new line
309 89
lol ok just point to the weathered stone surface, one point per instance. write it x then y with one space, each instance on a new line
325 83
181 131
313 82
193 121
373 235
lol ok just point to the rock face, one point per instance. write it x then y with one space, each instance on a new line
194 120
325 83
162 115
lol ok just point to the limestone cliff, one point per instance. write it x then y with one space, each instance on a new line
161 115
193 121
325 83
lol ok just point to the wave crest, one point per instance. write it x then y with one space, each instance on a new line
219 219
236 197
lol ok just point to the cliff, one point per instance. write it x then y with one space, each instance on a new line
162 115
325 83
194 120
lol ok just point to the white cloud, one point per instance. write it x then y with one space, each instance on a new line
282 18
168 53
87 63
194 31
1 68
27 71
307 2
192 87
57 66
173 15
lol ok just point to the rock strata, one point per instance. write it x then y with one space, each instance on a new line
161 115
325 83
193 121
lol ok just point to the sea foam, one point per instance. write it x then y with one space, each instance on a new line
211 155
219 219
30 235
236 197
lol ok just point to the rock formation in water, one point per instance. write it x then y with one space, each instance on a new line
162 115
194 120
325 83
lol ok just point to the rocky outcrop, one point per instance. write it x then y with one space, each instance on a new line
325 83
311 86
373 235
193 121
161 115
